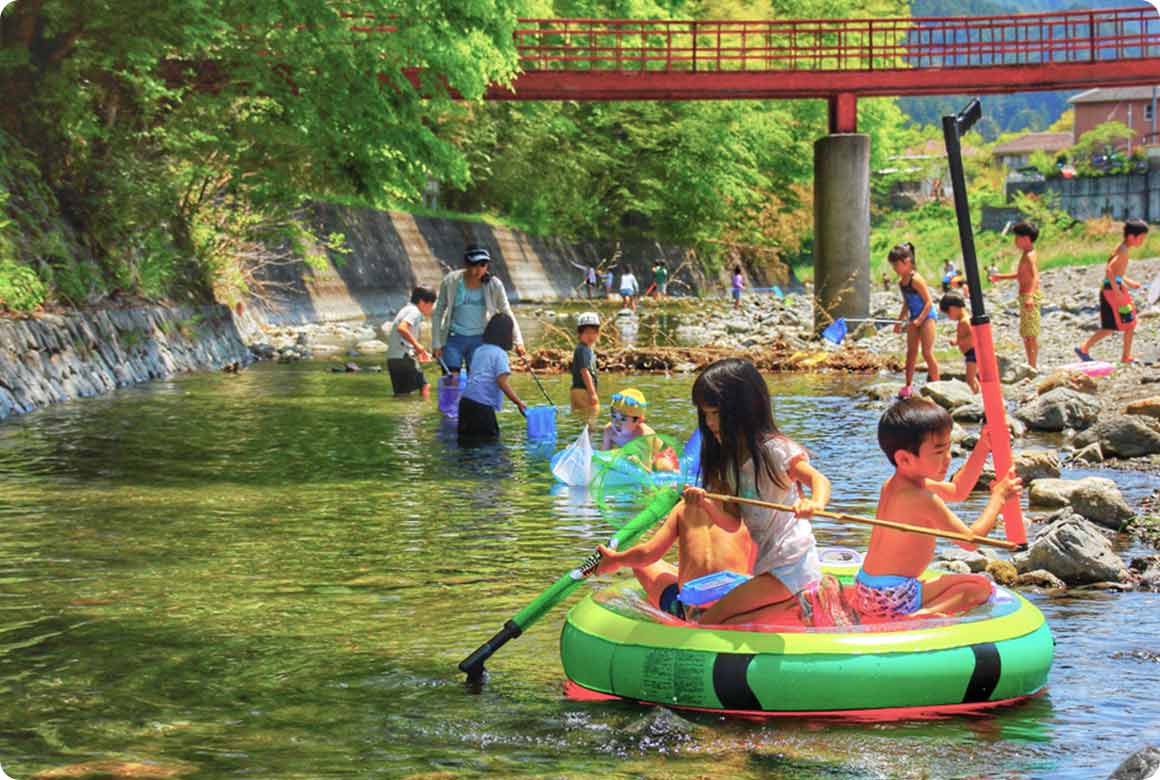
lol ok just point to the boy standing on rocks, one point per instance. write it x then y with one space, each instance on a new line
1117 313
1030 296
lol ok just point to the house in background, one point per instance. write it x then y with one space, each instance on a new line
1130 105
1014 154
921 174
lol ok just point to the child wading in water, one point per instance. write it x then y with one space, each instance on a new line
628 411
915 434
490 375
584 398
744 454
953 305
1030 296
1117 312
918 310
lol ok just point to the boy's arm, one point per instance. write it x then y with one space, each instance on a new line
803 472
963 482
404 329
504 382
1008 487
642 554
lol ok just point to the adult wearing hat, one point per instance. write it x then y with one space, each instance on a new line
468 299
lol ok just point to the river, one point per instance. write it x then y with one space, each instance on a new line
273 575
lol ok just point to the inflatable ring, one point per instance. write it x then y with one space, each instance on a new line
614 644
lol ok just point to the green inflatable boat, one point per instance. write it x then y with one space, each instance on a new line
614 644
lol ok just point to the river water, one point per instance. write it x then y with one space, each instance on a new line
274 575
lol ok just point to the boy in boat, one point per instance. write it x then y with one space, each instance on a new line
953 305
1117 313
1030 296
703 548
628 413
915 434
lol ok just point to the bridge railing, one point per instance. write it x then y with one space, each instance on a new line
838 44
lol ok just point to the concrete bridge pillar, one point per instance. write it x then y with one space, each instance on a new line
841 227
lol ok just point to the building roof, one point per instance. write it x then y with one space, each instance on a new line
1113 95
1034 142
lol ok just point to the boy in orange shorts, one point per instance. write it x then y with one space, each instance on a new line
915 434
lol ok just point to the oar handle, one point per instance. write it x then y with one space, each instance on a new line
917 529
472 665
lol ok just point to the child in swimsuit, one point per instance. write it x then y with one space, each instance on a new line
1117 313
953 305
918 311
915 434
628 411
744 454
1030 296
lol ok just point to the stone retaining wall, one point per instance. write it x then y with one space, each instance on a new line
56 358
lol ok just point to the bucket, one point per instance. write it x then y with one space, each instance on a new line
449 397
541 422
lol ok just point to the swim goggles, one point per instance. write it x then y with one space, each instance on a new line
628 400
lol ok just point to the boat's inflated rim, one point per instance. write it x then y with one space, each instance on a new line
925 666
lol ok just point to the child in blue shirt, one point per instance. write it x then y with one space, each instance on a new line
489 377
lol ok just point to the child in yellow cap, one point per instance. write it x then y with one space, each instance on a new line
628 412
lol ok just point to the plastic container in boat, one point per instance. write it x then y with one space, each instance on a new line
711 587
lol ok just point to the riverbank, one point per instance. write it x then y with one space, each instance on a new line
51 358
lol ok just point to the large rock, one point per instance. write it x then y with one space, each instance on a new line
1014 370
949 394
1058 409
1142 765
970 412
1094 498
1148 407
883 391
1123 436
1030 466
1074 550
975 560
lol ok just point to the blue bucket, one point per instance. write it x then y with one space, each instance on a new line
449 397
541 422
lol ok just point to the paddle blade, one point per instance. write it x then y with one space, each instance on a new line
836 331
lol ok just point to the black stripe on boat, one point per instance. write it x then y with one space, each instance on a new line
731 682
988 668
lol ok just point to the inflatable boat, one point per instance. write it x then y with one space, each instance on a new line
615 644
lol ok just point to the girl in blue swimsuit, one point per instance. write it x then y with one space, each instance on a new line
918 311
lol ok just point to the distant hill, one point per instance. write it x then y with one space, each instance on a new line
1001 113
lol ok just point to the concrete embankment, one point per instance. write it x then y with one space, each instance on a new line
388 253
54 358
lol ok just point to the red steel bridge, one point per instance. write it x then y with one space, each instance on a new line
836 59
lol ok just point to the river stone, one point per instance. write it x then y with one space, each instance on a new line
1123 436
1101 503
1095 498
1149 407
1058 409
949 394
883 391
1076 380
952 567
970 412
371 345
1089 454
1030 466
1074 550
1040 578
1142 765
1014 370
975 560
1003 572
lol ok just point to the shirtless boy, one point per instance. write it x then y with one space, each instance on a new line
915 434
953 305
703 548
1117 313
1030 296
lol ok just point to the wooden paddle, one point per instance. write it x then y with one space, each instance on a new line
916 529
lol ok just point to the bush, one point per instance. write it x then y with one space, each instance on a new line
20 288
